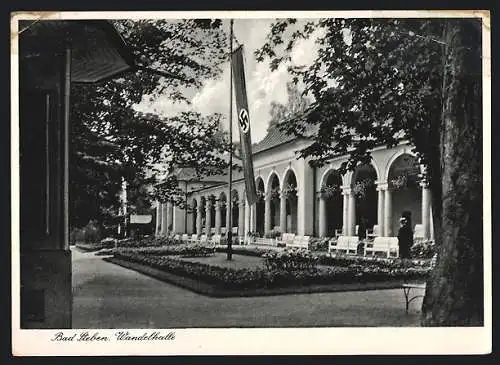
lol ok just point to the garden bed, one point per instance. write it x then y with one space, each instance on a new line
216 291
273 275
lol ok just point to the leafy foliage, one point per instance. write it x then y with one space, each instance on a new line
110 140
376 78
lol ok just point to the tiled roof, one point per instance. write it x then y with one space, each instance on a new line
275 137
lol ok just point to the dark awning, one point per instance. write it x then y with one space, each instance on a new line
98 50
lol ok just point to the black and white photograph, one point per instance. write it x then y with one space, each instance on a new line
251 182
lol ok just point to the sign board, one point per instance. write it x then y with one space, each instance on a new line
140 219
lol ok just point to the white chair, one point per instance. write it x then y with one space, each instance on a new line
375 232
418 233
301 242
185 238
194 238
216 239
349 244
387 245
287 238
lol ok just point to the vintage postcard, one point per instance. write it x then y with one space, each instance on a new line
289 183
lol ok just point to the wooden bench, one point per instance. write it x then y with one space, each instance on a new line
349 244
301 242
387 245
407 287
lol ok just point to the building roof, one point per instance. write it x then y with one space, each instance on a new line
276 137
98 50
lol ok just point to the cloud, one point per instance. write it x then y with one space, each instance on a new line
263 85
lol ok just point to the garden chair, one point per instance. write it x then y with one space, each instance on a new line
374 232
387 245
418 233
349 244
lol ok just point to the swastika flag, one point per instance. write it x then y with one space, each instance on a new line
243 122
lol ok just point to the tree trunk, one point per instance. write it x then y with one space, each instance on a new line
454 293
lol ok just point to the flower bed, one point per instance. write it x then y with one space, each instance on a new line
231 278
187 250
381 262
245 250
151 241
423 250
290 260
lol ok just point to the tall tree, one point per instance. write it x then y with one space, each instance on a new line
397 79
295 104
111 141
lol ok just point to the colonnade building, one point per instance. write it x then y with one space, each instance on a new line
297 198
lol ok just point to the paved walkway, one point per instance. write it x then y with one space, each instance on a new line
110 296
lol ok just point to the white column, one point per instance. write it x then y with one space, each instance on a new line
170 216
241 217
388 213
352 214
164 219
345 211
253 217
208 219
425 210
248 226
228 213
217 217
431 223
322 216
179 218
198 219
267 214
158 219
381 188
283 213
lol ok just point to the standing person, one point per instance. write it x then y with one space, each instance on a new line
405 238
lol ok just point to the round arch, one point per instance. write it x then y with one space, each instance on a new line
194 214
290 208
271 178
403 178
259 206
393 158
289 170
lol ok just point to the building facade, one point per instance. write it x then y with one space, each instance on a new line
297 198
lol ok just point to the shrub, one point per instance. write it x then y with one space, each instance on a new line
186 250
245 250
319 244
343 260
423 250
91 233
290 260
230 278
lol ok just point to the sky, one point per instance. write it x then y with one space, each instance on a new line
263 86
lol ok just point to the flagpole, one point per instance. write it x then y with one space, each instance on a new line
229 223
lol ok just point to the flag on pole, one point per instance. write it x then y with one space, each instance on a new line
243 122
